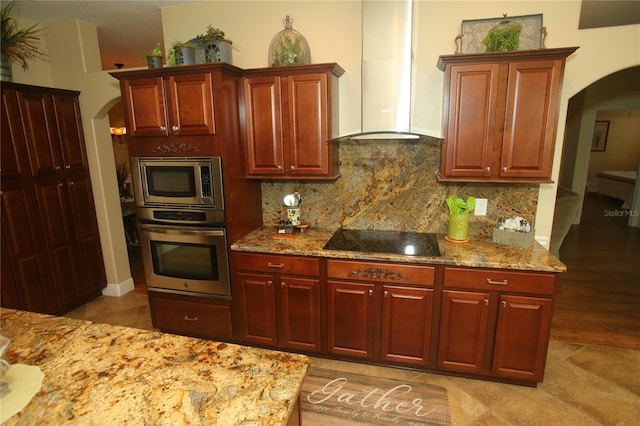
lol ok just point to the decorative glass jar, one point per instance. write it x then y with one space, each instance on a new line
289 47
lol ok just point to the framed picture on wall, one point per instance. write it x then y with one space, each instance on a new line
600 133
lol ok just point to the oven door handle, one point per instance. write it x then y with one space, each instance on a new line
183 231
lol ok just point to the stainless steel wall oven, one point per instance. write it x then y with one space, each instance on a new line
181 223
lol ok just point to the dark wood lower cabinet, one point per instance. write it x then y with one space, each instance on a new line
500 326
406 324
278 309
463 330
522 336
192 316
350 326
474 322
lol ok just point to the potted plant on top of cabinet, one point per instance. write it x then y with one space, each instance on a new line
17 44
185 52
154 57
217 47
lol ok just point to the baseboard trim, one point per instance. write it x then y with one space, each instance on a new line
118 290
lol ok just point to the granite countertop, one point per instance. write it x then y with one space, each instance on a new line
104 374
479 252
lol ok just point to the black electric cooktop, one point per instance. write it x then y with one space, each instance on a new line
391 242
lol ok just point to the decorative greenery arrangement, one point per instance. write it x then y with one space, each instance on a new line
155 52
184 44
457 206
214 34
19 44
504 37
288 52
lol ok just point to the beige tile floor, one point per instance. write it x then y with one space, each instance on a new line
583 385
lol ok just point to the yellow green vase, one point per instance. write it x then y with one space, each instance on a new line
458 227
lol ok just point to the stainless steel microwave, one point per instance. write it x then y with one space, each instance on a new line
178 182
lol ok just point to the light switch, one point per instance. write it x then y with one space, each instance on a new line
480 208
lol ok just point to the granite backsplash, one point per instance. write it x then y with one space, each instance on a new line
392 185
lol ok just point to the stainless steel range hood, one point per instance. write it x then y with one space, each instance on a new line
386 70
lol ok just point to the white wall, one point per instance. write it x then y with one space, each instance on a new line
333 31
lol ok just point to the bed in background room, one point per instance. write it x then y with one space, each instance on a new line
616 184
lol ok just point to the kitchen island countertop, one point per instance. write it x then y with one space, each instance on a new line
105 374
480 252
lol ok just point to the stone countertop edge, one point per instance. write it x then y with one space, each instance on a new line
103 374
479 252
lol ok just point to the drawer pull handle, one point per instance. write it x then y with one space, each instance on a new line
503 282
282 284
504 304
187 318
269 283
386 293
486 302
274 265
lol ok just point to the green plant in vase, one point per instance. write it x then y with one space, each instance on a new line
154 57
504 37
459 209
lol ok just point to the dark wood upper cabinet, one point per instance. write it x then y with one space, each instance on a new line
500 115
181 111
291 114
177 105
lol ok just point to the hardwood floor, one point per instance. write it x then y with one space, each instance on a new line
598 300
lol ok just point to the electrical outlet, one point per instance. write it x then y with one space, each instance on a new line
480 208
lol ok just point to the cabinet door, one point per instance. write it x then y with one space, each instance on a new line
257 308
530 119
191 104
350 323
308 124
522 335
87 236
406 324
43 143
265 144
24 260
471 119
58 236
69 125
14 159
145 106
463 330
300 313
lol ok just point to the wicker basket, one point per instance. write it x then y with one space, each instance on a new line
513 238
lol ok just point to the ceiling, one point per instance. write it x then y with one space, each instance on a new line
126 29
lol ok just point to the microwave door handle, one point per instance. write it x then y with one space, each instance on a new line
184 231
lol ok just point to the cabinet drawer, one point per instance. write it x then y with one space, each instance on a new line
493 279
274 263
208 318
378 271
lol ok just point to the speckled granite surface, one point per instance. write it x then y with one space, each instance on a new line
392 185
480 252
108 375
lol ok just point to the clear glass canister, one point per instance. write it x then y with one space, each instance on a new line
289 47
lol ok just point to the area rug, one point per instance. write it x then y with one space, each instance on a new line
332 397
